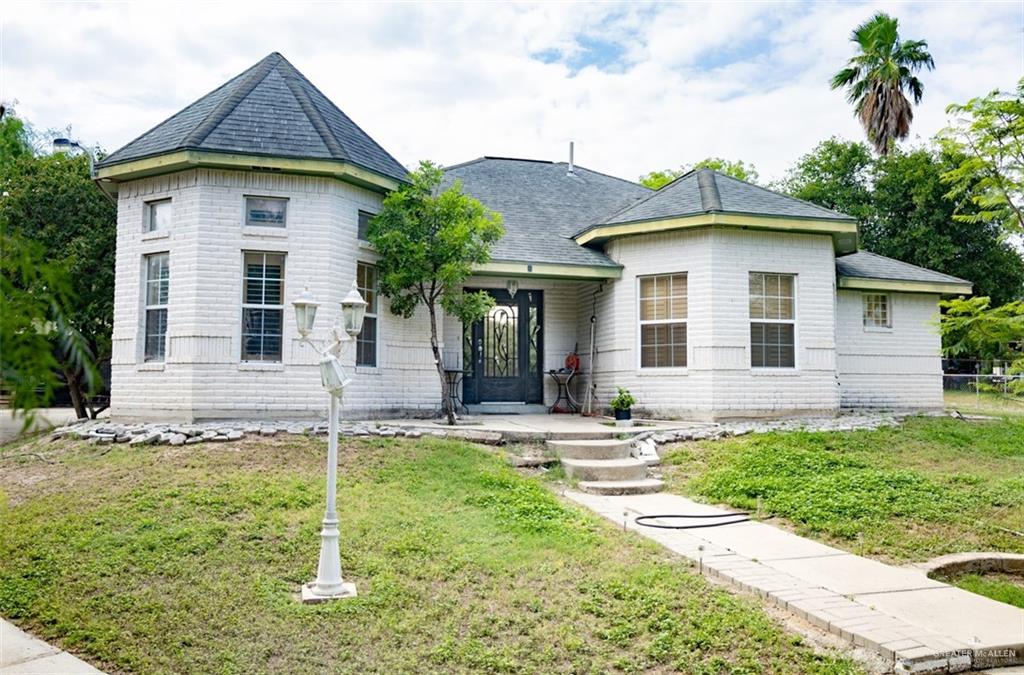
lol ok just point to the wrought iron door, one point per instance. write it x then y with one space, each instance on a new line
502 351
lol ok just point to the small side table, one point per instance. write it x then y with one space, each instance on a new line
563 380
454 379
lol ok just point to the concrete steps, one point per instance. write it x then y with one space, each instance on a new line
621 487
604 469
610 448
604 466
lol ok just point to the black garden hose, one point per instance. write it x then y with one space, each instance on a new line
739 517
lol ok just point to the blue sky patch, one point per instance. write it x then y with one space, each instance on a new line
590 50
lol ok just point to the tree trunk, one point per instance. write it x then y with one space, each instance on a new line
75 389
446 402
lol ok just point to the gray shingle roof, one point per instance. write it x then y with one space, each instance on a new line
542 207
270 109
867 265
707 191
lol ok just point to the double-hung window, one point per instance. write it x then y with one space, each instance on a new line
366 341
262 306
158 281
876 311
663 309
772 320
265 211
158 216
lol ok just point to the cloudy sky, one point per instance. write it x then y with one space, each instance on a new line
637 86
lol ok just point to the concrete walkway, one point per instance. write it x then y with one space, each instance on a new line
918 624
22 654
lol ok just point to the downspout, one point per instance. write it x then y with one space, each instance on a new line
588 406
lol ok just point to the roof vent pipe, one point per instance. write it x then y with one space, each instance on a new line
572 166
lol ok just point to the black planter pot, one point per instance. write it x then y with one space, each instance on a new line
623 414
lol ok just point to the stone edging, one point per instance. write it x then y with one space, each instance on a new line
169 433
974 561
106 432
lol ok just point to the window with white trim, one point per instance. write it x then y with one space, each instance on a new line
158 281
663 310
265 211
262 306
772 320
366 341
364 225
158 216
876 310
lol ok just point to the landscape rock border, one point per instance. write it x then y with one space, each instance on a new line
167 433
976 562
106 432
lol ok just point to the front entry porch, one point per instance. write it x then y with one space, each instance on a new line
502 363
503 352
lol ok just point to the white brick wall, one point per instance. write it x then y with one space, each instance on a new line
718 381
203 376
897 368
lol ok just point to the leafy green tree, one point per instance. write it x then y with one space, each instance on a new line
903 212
428 242
915 221
879 76
836 174
659 179
737 169
970 326
36 337
988 134
15 136
51 202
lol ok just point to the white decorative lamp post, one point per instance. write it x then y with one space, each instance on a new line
328 584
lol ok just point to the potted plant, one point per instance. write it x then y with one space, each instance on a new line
621 404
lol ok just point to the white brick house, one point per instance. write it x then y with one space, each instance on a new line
709 298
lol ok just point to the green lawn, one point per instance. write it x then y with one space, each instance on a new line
1002 587
930 487
164 559
984 403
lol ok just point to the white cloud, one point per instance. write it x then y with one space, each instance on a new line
456 81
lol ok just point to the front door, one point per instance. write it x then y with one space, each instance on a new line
503 351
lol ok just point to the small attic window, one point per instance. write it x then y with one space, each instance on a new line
364 225
158 216
265 211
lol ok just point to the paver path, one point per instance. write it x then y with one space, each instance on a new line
919 624
22 654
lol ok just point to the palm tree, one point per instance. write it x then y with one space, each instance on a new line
877 78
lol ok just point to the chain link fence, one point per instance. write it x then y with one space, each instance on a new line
983 386
966 382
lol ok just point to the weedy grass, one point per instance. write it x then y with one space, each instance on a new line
1001 587
929 487
171 560
984 403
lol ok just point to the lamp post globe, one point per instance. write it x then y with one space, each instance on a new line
65 144
305 312
353 310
